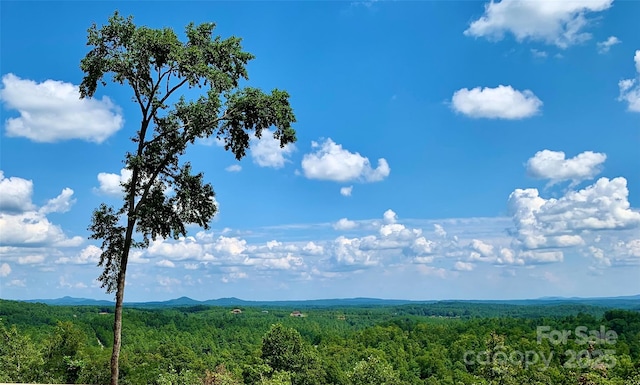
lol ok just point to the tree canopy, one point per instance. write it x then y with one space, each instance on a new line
164 195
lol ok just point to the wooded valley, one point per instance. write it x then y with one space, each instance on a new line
436 343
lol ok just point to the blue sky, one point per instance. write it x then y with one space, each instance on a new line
445 150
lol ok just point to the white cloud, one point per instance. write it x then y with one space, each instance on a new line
60 204
422 246
111 184
560 23
543 223
313 249
52 111
165 263
185 248
508 257
439 230
542 257
287 262
630 88
5 270
75 285
23 224
390 216
266 151
32 228
345 224
481 251
502 102
234 168
346 191
15 194
463 266
618 253
230 246
539 54
167 282
233 276
347 252
605 46
554 166
31 259
89 255
331 162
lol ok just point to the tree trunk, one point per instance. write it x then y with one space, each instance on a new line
117 321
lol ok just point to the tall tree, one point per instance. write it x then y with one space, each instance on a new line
163 195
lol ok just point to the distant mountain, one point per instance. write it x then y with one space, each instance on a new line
70 301
627 302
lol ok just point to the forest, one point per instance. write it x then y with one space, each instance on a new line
431 343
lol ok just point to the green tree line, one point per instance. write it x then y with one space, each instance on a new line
412 344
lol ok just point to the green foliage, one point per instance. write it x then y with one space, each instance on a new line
172 377
209 345
63 351
282 349
163 196
374 371
20 361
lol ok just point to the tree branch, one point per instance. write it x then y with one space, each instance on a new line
163 164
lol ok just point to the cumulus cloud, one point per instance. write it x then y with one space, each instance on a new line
390 216
287 262
439 230
346 191
165 263
345 224
60 204
554 165
332 162
111 184
89 255
630 88
52 111
15 194
5 270
544 223
502 102
266 151
23 224
605 46
506 256
230 246
542 257
33 229
312 248
559 23
481 251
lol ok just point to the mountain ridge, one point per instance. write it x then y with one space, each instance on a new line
630 300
